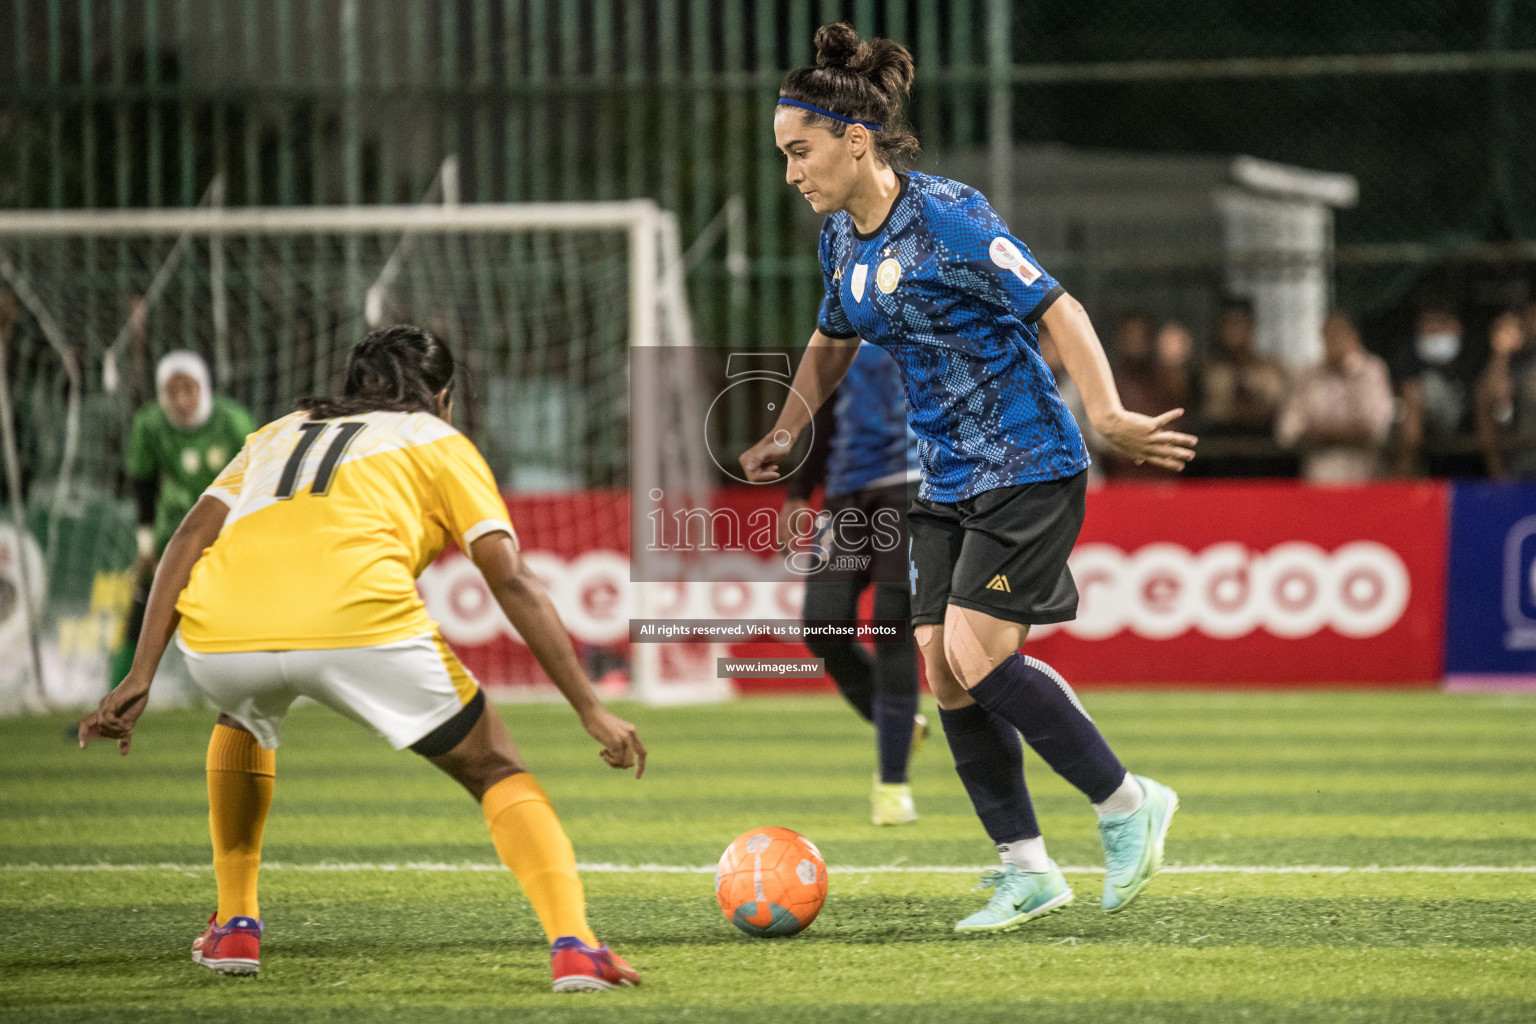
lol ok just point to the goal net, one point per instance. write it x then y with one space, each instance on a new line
543 303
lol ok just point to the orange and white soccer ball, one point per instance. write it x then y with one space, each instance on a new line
771 881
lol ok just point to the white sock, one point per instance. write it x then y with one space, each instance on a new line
1026 854
1124 800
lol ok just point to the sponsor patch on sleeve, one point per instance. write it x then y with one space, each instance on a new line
1007 255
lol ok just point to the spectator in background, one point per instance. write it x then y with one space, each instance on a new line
1131 350
1176 386
1339 412
1134 364
1148 369
1240 390
1434 379
1505 398
177 445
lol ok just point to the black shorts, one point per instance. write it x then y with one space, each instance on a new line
1003 552
869 544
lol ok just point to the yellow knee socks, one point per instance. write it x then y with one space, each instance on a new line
531 843
240 778
524 829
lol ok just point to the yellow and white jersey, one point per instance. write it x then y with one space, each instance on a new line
330 522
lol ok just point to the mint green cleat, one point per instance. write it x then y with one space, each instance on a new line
1021 896
1133 844
891 804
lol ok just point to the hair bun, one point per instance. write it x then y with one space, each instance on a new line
887 64
836 45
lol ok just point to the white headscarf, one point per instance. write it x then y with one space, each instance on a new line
185 361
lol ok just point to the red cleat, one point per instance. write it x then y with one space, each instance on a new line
232 948
579 967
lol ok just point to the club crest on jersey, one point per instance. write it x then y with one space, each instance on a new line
887 276
860 272
190 460
1007 255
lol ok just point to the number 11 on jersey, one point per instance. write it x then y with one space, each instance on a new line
312 430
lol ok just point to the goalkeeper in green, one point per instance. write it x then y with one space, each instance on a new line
178 444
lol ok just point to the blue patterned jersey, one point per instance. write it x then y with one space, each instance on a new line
873 444
954 298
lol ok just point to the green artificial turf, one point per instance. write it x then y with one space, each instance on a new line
375 910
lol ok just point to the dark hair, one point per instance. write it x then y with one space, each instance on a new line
1237 304
1438 307
861 80
398 369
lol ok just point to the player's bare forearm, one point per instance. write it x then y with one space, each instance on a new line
539 623
822 368
1490 439
1084 356
523 600
1492 392
527 606
1138 437
195 535
118 712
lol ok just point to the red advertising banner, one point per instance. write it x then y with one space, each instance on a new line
1257 584
1195 583
578 546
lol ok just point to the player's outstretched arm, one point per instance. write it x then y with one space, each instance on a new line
822 368
528 607
118 712
1143 438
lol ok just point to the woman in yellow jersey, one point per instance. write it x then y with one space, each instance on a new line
294 575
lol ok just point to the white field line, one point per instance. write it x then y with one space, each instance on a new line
883 869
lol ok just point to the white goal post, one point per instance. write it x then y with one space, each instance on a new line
544 302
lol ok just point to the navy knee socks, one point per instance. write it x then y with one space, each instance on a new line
895 700
1033 697
990 762
881 687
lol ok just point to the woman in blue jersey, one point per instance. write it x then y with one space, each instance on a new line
867 455
924 268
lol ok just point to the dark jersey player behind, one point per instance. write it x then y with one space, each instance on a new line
866 453
924 268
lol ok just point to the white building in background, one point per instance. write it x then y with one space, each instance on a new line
1277 224
1174 234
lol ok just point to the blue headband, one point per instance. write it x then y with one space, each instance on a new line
827 113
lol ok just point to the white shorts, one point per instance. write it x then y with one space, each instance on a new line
403 690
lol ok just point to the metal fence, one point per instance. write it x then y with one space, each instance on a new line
1430 104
